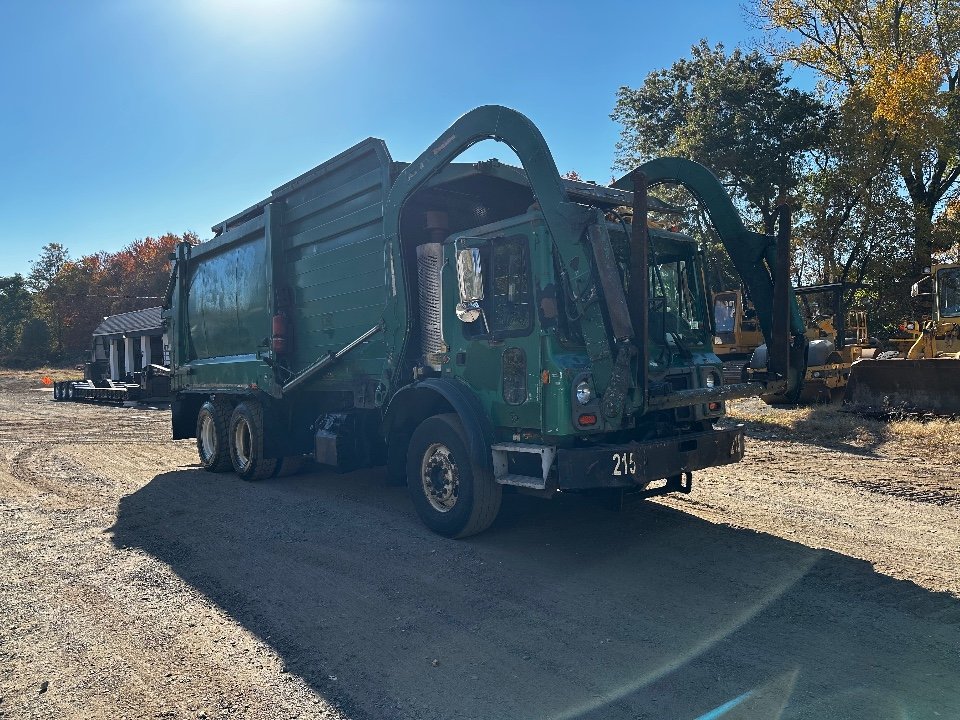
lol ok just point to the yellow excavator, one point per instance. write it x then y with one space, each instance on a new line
836 340
927 381
738 333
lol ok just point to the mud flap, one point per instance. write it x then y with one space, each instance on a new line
909 386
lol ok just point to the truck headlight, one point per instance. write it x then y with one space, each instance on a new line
712 381
584 393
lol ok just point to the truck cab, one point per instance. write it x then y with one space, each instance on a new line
530 319
513 332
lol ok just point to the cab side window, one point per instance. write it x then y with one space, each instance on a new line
507 301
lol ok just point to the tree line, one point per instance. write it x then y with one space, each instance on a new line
869 159
49 315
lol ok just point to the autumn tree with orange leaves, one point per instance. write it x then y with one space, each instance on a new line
896 65
72 296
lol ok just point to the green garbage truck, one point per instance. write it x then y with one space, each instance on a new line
473 327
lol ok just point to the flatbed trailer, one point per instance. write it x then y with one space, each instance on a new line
151 384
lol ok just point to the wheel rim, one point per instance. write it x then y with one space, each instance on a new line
208 437
241 443
440 478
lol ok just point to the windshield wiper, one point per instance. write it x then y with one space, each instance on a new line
685 352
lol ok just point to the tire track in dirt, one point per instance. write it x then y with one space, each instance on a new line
894 487
133 652
54 474
903 522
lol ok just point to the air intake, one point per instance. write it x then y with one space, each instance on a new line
429 263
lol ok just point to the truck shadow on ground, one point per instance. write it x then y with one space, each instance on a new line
563 609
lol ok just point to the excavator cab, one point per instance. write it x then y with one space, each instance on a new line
948 292
737 333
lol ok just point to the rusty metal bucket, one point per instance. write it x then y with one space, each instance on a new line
905 386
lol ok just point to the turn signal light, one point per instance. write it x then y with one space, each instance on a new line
587 419
714 406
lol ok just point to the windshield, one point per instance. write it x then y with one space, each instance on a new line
679 312
724 312
677 301
948 292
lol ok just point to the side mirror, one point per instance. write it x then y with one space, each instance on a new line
470 279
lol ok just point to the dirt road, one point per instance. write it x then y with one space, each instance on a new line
820 578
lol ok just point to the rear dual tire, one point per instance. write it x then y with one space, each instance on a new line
232 439
213 446
246 443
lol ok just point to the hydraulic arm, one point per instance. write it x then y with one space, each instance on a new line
762 261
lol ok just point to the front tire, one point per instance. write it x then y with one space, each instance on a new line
453 497
246 443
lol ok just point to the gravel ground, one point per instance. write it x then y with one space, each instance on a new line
819 578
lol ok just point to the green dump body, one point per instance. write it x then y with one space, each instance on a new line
312 253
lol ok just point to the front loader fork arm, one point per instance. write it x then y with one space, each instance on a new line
753 254
566 221
485 123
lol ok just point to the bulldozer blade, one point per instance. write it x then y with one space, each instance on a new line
886 387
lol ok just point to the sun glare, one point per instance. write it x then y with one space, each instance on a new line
278 19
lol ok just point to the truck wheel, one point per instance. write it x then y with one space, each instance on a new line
452 496
212 444
246 443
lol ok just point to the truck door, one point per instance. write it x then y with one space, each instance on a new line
495 348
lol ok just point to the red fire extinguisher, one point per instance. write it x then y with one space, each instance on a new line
281 337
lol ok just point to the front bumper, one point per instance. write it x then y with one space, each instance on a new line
633 465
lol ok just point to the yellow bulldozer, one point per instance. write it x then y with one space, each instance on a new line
927 380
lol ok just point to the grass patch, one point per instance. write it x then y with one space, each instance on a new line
828 425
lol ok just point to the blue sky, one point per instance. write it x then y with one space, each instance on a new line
128 118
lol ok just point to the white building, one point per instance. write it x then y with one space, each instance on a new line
130 341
